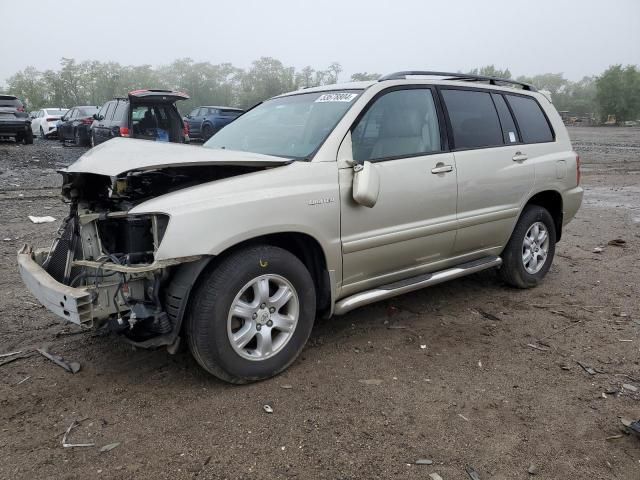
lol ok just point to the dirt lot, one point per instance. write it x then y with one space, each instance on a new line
449 373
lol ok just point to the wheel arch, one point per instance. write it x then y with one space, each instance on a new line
306 248
550 200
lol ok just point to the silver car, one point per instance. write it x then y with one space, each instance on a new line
309 205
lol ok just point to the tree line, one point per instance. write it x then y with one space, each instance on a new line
615 92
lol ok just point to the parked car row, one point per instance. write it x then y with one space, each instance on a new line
149 114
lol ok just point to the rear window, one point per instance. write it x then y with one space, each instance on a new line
229 113
474 119
533 124
56 111
6 101
121 111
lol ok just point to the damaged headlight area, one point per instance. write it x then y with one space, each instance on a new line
111 256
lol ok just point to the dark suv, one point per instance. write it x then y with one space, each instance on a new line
205 121
145 114
14 121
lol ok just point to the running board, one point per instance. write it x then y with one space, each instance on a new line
414 283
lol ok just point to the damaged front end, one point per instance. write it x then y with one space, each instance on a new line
101 270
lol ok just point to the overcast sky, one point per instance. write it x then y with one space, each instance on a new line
576 37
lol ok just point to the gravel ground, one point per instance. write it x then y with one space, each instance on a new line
445 374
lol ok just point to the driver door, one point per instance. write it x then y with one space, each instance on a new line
411 228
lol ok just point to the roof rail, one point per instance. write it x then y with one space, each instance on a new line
463 77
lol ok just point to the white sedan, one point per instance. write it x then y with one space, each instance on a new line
43 122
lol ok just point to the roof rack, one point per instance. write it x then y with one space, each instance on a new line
463 77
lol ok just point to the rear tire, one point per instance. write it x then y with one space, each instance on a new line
207 132
528 256
238 327
28 137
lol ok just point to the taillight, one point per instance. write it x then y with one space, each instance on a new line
20 109
186 129
87 121
578 173
51 119
124 131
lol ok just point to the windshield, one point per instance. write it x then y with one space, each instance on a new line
292 127
56 111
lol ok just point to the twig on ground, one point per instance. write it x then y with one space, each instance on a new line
73 425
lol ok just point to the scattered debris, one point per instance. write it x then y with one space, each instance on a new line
111 446
532 470
371 381
17 357
631 388
396 327
565 367
598 250
267 408
463 417
47 219
587 368
286 387
24 380
73 425
561 330
489 316
435 476
71 367
614 437
2 355
473 475
635 427
617 242
424 461
423 347
542 349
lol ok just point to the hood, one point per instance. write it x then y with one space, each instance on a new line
121 155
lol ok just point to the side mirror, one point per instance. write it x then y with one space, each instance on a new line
366 184
96 116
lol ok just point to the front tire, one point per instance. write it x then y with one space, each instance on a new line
251 315
528 256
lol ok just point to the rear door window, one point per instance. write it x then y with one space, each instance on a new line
108 114
533 124
400 123
120 112
509 130
474 119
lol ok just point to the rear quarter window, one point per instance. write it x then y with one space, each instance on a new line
533 124
473 117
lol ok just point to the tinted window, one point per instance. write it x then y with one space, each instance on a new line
194 112
9 101
509 130
108 113
532 122
120 113
474 119
400 123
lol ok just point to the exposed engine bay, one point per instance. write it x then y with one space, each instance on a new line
110 253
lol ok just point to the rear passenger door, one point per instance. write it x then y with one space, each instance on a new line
494 176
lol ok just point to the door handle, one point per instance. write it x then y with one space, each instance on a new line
520 157
441 168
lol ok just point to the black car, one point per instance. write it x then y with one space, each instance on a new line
75 125
147 114
14 121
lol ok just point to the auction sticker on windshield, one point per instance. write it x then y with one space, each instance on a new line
336 97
